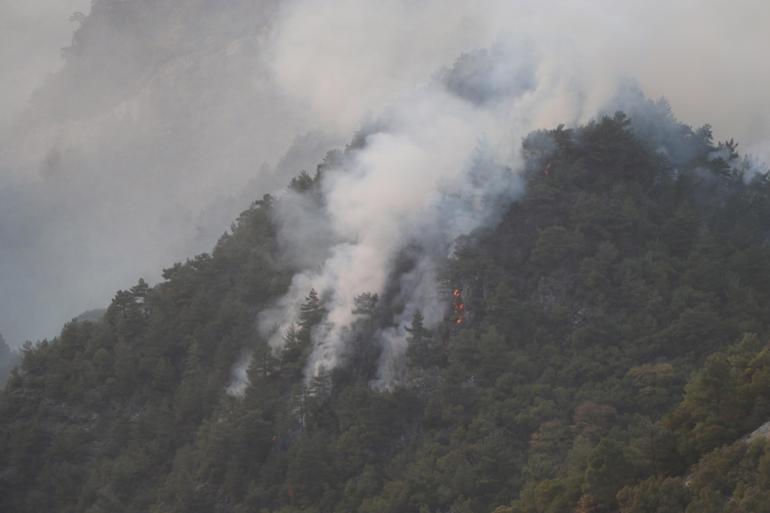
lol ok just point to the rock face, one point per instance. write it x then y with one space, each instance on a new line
762 432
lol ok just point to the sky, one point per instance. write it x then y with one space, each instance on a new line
168 117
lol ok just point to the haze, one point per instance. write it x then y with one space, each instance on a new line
168 117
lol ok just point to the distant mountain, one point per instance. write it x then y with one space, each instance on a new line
602 347
151 97
95 315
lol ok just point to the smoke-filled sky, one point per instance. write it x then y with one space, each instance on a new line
32 34
169 116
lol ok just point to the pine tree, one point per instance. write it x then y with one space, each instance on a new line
294 343
365 304
191 394
311 312
263 363
420 351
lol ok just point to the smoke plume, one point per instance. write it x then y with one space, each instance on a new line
168 117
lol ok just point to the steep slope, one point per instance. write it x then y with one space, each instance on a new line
558 381
149 372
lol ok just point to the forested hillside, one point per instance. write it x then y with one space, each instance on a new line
604 349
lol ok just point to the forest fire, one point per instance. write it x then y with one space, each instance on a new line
458 307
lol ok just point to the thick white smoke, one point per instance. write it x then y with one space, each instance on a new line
345 58
169 116
437 163
515 69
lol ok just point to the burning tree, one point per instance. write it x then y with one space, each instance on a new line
458 308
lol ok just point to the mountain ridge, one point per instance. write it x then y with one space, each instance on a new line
613 311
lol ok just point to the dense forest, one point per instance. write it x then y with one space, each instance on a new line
604 350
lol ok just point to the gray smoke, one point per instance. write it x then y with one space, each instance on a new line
162 125
438 163
169 117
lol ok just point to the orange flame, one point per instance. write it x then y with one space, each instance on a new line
458 307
